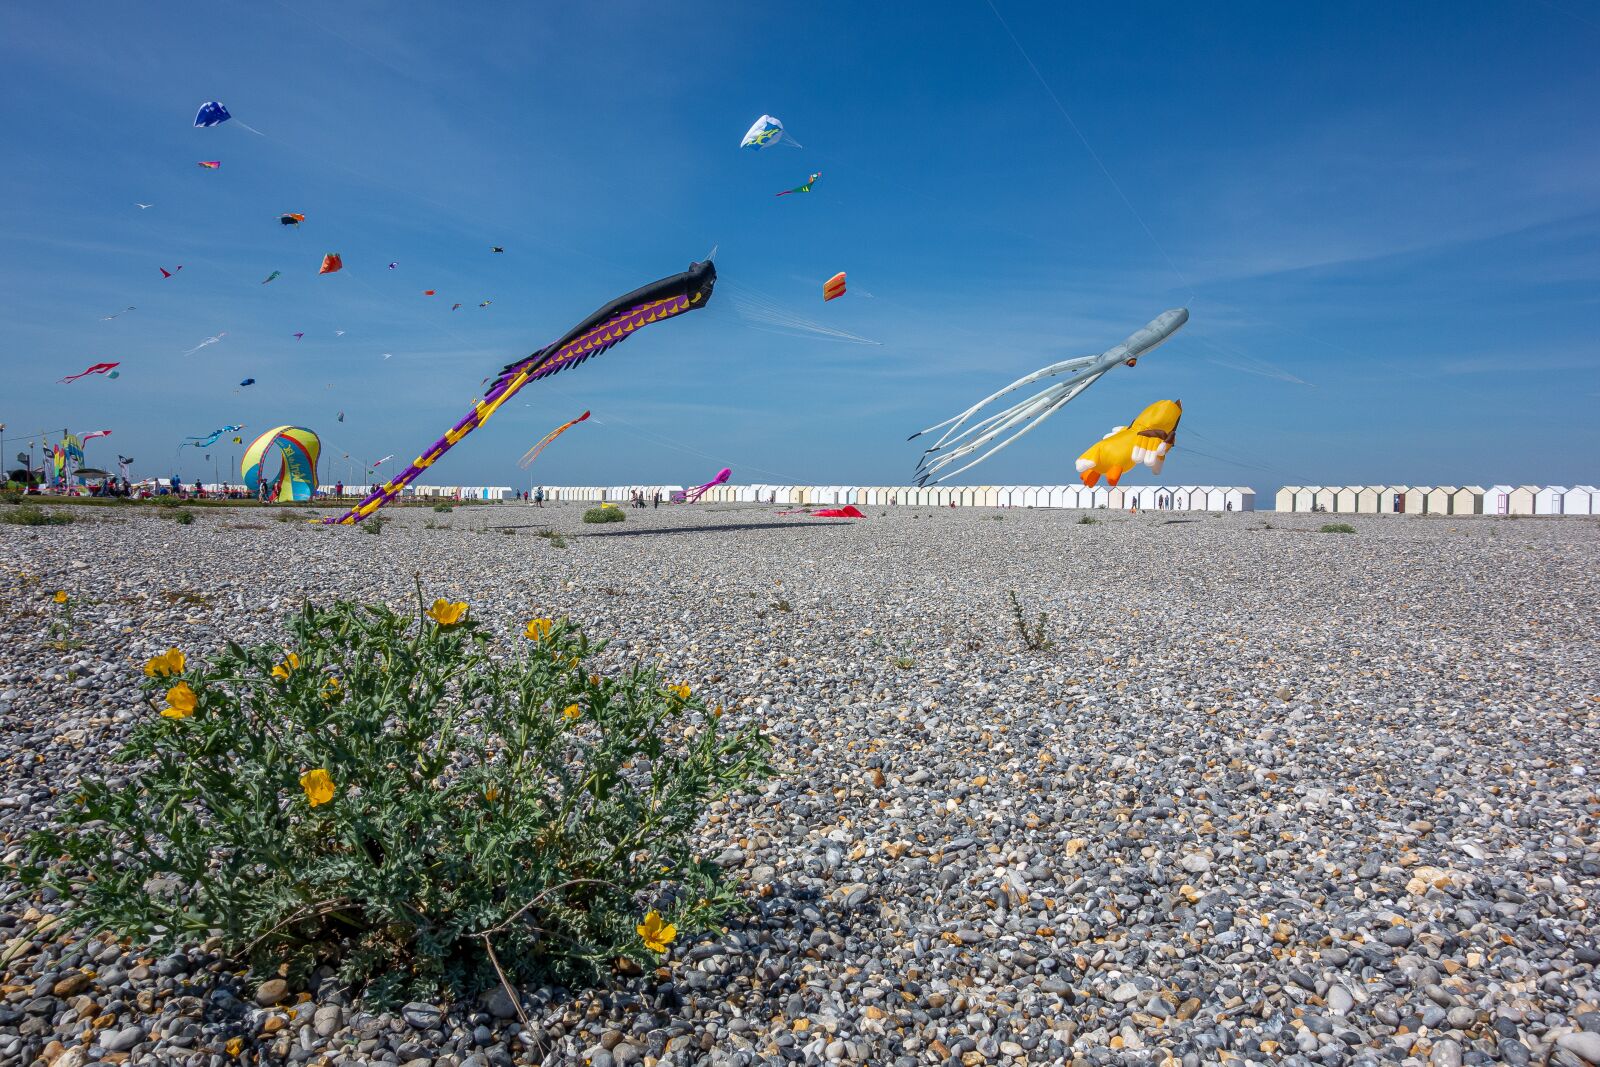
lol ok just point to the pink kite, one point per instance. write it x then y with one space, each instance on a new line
165 273
849 511
98 368
209 164
693 495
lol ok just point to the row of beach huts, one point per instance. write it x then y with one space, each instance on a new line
1335 499
1144 497
1441 499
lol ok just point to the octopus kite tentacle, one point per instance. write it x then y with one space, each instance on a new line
607 327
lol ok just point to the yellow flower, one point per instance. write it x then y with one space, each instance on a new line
657 935
491 794
181 702
61 596
168 663
680 691
330 688
571 712
318 786
538 629
291 662
447 614
235 1045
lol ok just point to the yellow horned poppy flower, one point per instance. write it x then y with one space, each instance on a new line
491 794
318 786
657 935
571 712
290 663
445 613
61 596
538 629
168 663
181 702
330 688
680 691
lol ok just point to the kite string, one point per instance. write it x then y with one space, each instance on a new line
1089 147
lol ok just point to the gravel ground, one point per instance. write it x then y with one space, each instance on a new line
1273 795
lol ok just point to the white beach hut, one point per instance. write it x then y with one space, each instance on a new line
1284 501
1344 499
1580 500
1439 498
1367 499
1325 497
1304 497
1417 500
1241 498
1497 500
1547 501
1522 499
1216 498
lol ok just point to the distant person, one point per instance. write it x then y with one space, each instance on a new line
655 501
538 497
338 488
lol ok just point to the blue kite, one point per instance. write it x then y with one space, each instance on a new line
211 113
211 438
247 381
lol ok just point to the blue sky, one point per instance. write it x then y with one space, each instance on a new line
1384 218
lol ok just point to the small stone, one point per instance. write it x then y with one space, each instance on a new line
327 1020
1446 1053
123 1039
1397 937
422 1016
1339 1000
70 986
1585 1044
272 992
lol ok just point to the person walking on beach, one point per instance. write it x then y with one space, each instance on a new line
538 497
655 501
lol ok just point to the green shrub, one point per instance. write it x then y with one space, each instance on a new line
11 494
555 539
1087 520
443 507
1337 527
168 501
34 515
604 515
1034 638
393 795
372 525
183 517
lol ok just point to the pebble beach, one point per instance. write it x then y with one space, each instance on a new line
1266 794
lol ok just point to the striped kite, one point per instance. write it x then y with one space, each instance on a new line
533 453
833 288
607 327
299 449
209 164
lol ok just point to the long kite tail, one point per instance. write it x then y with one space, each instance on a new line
608 326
